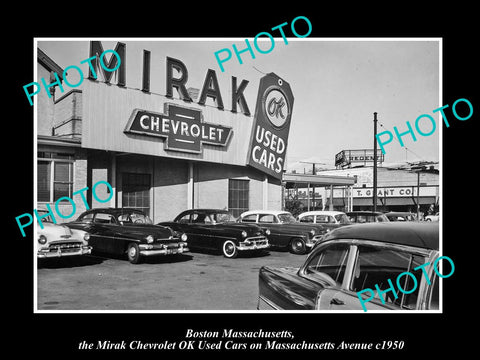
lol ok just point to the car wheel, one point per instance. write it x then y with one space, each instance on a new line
297 246
133 253
428 219
229 249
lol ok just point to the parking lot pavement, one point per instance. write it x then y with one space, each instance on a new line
191 281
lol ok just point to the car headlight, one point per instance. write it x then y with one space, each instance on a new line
149 239
184 237
42 239
86 237
244 234
267 232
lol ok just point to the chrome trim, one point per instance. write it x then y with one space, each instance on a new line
47 253
178 250
267 302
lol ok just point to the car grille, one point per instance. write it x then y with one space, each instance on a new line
65 247
258 240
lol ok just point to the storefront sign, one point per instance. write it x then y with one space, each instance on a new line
271 125
346 157
390 192
181 126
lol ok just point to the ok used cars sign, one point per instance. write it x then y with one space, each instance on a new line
271 125
182 127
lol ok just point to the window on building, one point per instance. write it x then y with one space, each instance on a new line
54 176
136 191
238 194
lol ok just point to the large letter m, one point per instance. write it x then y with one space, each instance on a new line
96 51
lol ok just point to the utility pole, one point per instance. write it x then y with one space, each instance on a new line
374 161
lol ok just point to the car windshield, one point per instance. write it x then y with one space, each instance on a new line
45 218
342 219
133 217
222 217
286 218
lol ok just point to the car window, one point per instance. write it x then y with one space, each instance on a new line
103 218
286 218
331 261
87 217
342 219
250 218
267 218
184 219
307 219
322 219
381 218
374 266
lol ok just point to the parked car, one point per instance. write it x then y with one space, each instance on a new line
55 241
366 216
128 231
435 217
213 229
328 219
353 258
285 230
401 216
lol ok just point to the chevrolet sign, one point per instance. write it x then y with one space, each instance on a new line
182 127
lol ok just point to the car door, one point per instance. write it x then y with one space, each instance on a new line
201 230
103 237
277 235
371 265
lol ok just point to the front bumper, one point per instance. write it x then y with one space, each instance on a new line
256 243
163 249
63 251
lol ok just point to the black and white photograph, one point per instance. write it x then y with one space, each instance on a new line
213 190
228 185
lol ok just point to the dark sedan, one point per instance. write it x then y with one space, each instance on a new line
285 230
128 231
212 229
353 259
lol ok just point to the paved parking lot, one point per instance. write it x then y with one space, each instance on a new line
191 281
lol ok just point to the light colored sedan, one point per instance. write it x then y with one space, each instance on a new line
59 240
435 217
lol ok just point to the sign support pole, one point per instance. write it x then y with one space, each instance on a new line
374 161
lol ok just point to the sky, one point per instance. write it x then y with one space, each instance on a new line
337 84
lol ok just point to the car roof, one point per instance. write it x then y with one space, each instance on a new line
112 210
399 213
422 234
322 212
274 212
364 212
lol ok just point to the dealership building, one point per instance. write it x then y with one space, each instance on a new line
161 153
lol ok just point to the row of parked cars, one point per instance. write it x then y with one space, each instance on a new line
131 232
344 258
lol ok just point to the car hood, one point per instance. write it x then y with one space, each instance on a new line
54 231
143 230
250 229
